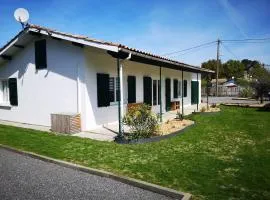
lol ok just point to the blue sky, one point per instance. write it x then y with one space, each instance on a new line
155 26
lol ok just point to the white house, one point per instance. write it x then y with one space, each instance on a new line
43 71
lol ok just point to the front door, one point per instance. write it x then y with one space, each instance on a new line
194 92
168 94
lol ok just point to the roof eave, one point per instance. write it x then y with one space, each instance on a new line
148 59
13 41
76 40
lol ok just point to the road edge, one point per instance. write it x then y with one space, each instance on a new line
130 181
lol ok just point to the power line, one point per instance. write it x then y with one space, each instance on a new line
236 41
250 39
247 42
195 50
195 47
228 50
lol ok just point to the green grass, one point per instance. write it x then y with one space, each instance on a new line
225 156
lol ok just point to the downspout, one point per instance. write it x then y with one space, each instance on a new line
121 94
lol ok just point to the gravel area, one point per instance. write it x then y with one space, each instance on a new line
22 177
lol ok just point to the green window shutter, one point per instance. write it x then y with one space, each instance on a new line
13 92
154 92
103 90
131 89
40 54
147 90
185 88
175 88
159 95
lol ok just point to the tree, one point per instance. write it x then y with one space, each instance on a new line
212 65
233 68
250 64
261 82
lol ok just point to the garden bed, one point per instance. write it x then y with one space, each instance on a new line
161 136
174 125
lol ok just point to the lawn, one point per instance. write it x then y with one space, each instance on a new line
225 156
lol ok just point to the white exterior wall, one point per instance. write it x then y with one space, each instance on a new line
100 62
45 91
69 84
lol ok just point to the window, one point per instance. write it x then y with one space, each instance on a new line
40 54
159 91
131 89
154 92
114 90
175 88
185 88
147 90
8 92
103 90
156 95
4 92
180 89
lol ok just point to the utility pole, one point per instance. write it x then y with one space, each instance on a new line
218 46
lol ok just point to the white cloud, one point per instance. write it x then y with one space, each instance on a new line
234 16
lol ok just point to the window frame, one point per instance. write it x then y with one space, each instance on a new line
116 90
179 88
4 94
157 102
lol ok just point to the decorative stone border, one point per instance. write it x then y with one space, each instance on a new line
155 138
130 181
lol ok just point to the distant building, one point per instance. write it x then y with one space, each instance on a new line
225 88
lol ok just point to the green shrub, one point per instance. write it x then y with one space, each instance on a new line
213 105
203 109
246 92
142 122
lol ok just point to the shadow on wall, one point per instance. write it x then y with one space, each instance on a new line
62 58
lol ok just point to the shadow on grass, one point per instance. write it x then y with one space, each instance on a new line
265 108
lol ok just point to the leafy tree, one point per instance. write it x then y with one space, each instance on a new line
250 64
233 68
212 65
261 82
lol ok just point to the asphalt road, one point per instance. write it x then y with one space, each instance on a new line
22 177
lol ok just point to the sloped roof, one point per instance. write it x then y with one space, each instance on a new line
114 46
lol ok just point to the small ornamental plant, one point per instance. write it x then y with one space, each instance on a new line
203 109
143 123
179 116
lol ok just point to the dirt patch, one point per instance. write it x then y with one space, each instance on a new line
174 125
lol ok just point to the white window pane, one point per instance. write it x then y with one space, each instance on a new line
179 88
4 93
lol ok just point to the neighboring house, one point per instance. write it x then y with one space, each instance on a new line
225 88
43 71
